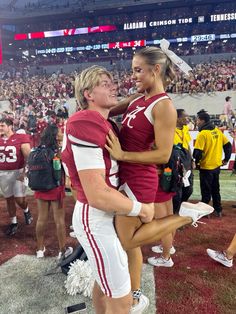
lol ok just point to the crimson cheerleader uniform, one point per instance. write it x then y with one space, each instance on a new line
139 181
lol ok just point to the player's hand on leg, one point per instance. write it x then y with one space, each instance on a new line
147 213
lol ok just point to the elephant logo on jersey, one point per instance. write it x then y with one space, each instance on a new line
132 115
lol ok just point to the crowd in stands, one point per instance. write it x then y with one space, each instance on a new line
39 97
33 98
207 78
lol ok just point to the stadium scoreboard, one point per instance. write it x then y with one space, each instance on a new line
133 25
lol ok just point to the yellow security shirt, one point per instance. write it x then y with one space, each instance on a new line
211 142
182 136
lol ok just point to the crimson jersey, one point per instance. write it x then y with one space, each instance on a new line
11 157
137 135
41 125
88 128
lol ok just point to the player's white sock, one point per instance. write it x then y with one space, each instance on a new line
14 220
26 210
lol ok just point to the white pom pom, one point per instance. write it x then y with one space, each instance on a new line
80 279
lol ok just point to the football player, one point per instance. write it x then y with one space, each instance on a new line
14 150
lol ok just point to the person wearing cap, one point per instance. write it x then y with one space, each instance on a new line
208 148
228 110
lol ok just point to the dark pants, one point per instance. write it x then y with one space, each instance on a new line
210 187
182 195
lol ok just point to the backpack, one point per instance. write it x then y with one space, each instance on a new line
78 253
179 163
40 169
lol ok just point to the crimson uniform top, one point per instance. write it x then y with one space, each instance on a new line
137 135
41 125
88 129
11 157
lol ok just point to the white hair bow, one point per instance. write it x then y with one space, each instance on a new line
164 44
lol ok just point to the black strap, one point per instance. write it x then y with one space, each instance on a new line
82 145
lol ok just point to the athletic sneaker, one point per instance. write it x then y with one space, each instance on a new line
64 255
159 249
195 211
220 257
28 218
160 261
72 234
141 306
11 229
40 253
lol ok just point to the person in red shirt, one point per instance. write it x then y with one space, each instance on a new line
41 124
14 150
52 199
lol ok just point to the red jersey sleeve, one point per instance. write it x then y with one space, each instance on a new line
88 127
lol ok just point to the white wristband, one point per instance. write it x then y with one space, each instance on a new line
135 209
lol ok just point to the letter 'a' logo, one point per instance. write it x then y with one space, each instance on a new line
132 115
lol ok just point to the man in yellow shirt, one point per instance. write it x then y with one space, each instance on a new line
183 138
208 149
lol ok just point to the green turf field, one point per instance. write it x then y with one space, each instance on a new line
227 186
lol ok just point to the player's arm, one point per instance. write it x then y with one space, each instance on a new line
164 116
91 170
122 105
25 149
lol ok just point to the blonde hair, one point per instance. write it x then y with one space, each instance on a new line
88 79
153 56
